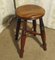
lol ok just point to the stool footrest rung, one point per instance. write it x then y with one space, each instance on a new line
33 32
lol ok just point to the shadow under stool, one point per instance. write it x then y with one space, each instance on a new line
30 12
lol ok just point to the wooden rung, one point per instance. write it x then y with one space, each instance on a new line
33 32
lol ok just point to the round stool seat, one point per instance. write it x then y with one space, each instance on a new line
30 12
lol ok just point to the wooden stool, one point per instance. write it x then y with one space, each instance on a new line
30 12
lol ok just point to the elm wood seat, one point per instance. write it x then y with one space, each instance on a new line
31 12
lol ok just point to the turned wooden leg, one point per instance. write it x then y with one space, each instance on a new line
17 28
23 38
34 26
43 36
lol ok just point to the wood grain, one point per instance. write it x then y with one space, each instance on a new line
30 11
